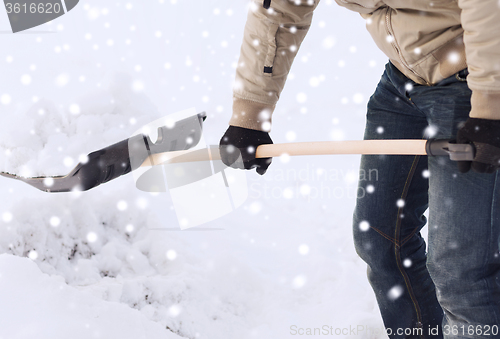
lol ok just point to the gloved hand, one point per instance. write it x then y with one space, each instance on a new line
484 134
243 141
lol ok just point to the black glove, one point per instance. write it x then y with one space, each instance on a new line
243 141
484 134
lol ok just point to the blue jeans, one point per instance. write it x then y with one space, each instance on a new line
453 291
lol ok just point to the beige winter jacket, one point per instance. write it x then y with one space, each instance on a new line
427 40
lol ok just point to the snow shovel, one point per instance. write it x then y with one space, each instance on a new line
173 144
114 161
432 147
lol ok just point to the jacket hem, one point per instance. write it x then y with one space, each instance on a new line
251 114
485 105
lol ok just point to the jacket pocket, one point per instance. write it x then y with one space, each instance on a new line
272 45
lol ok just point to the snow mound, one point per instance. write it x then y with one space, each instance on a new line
49 139
87 241
42 306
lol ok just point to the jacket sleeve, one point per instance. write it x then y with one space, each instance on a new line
481 23
271 40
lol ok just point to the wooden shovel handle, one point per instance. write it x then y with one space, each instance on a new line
400 147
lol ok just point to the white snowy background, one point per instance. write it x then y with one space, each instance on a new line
112 262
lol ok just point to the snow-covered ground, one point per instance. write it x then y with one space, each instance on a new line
112 262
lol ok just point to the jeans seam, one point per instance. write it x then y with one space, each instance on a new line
394 241
492 211
397 248
405 240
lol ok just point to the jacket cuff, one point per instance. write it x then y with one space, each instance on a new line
485 105
251 114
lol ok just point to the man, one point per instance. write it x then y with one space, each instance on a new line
444 72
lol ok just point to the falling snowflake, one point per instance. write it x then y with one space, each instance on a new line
266 126
301 97
305 189
62 80
299 281
370 189
174 311
290 136
83 158
329 42
431 131
395 292
171 255
288 193
7 217
138 86
407 263
337 134
255 207
314 82
454 57
54 221
26 79
400 203
5 99
91 237
364 226
285 158
74 109
303 249
33 255
48 182
142 203
358 98
68 161
122 205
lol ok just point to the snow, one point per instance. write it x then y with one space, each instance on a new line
43 306
112 262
